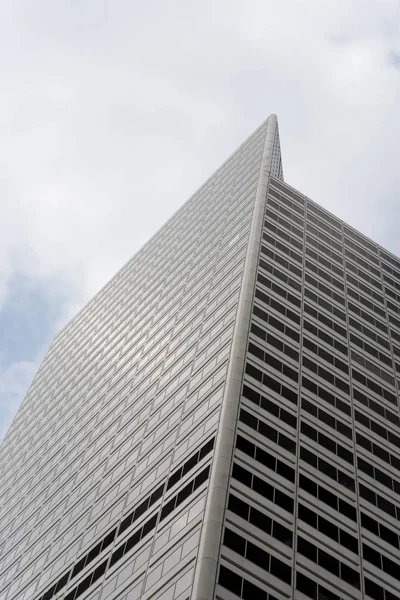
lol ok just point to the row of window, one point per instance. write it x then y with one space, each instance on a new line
378 475
377 592
327 375
327 528
282 247
328 397
328 339
394 307
389 259
326 418
323 261
267 431
322 248
136 537
272 341
319 316
327 561
321 287
313 589
282 221
377 428
391 282
265 458
363 263
371 350
260 520
380 530
367 317
378 389
327 497
276 324
268 283
361 242
274 363
279 275
261 487
326 442
271 407
365 288
292 205
378 451
377 500
365 302
288 191
239 586
376 407
323 225
132 517
257 555
328 306
360 273
326 468
283 310
324 275
284 235
325 238
324 215
278 259
372 368
284 211
381 561
392 294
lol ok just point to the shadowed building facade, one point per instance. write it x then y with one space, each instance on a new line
222 419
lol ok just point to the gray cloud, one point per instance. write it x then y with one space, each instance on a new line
112 113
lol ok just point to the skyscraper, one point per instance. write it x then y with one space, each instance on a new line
222 419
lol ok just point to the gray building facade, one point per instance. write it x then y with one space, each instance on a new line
222 419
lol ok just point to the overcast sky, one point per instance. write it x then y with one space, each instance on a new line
113 112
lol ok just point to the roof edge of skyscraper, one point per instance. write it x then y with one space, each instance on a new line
214 514
156 233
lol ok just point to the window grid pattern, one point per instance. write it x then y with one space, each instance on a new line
318 408
129 387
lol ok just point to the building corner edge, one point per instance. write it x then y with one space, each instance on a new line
206 568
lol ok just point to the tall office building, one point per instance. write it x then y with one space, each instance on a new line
222 419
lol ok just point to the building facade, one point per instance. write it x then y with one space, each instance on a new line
222 419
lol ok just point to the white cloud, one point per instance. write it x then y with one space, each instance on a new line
13 384
112 113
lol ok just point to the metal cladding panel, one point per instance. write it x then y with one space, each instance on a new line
102 473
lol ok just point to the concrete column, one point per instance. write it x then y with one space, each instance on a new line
210 540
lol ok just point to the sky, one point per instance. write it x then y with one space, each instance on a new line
113 112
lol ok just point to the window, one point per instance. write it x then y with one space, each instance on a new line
327 528
277 289
257 555
271 407
326 396
262 488
312 589
268 460
327 469
325 374
260 520
381 391
326 442
267 431
276 306
327 497
326 418
328 562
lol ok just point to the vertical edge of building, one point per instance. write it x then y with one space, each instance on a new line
209 548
